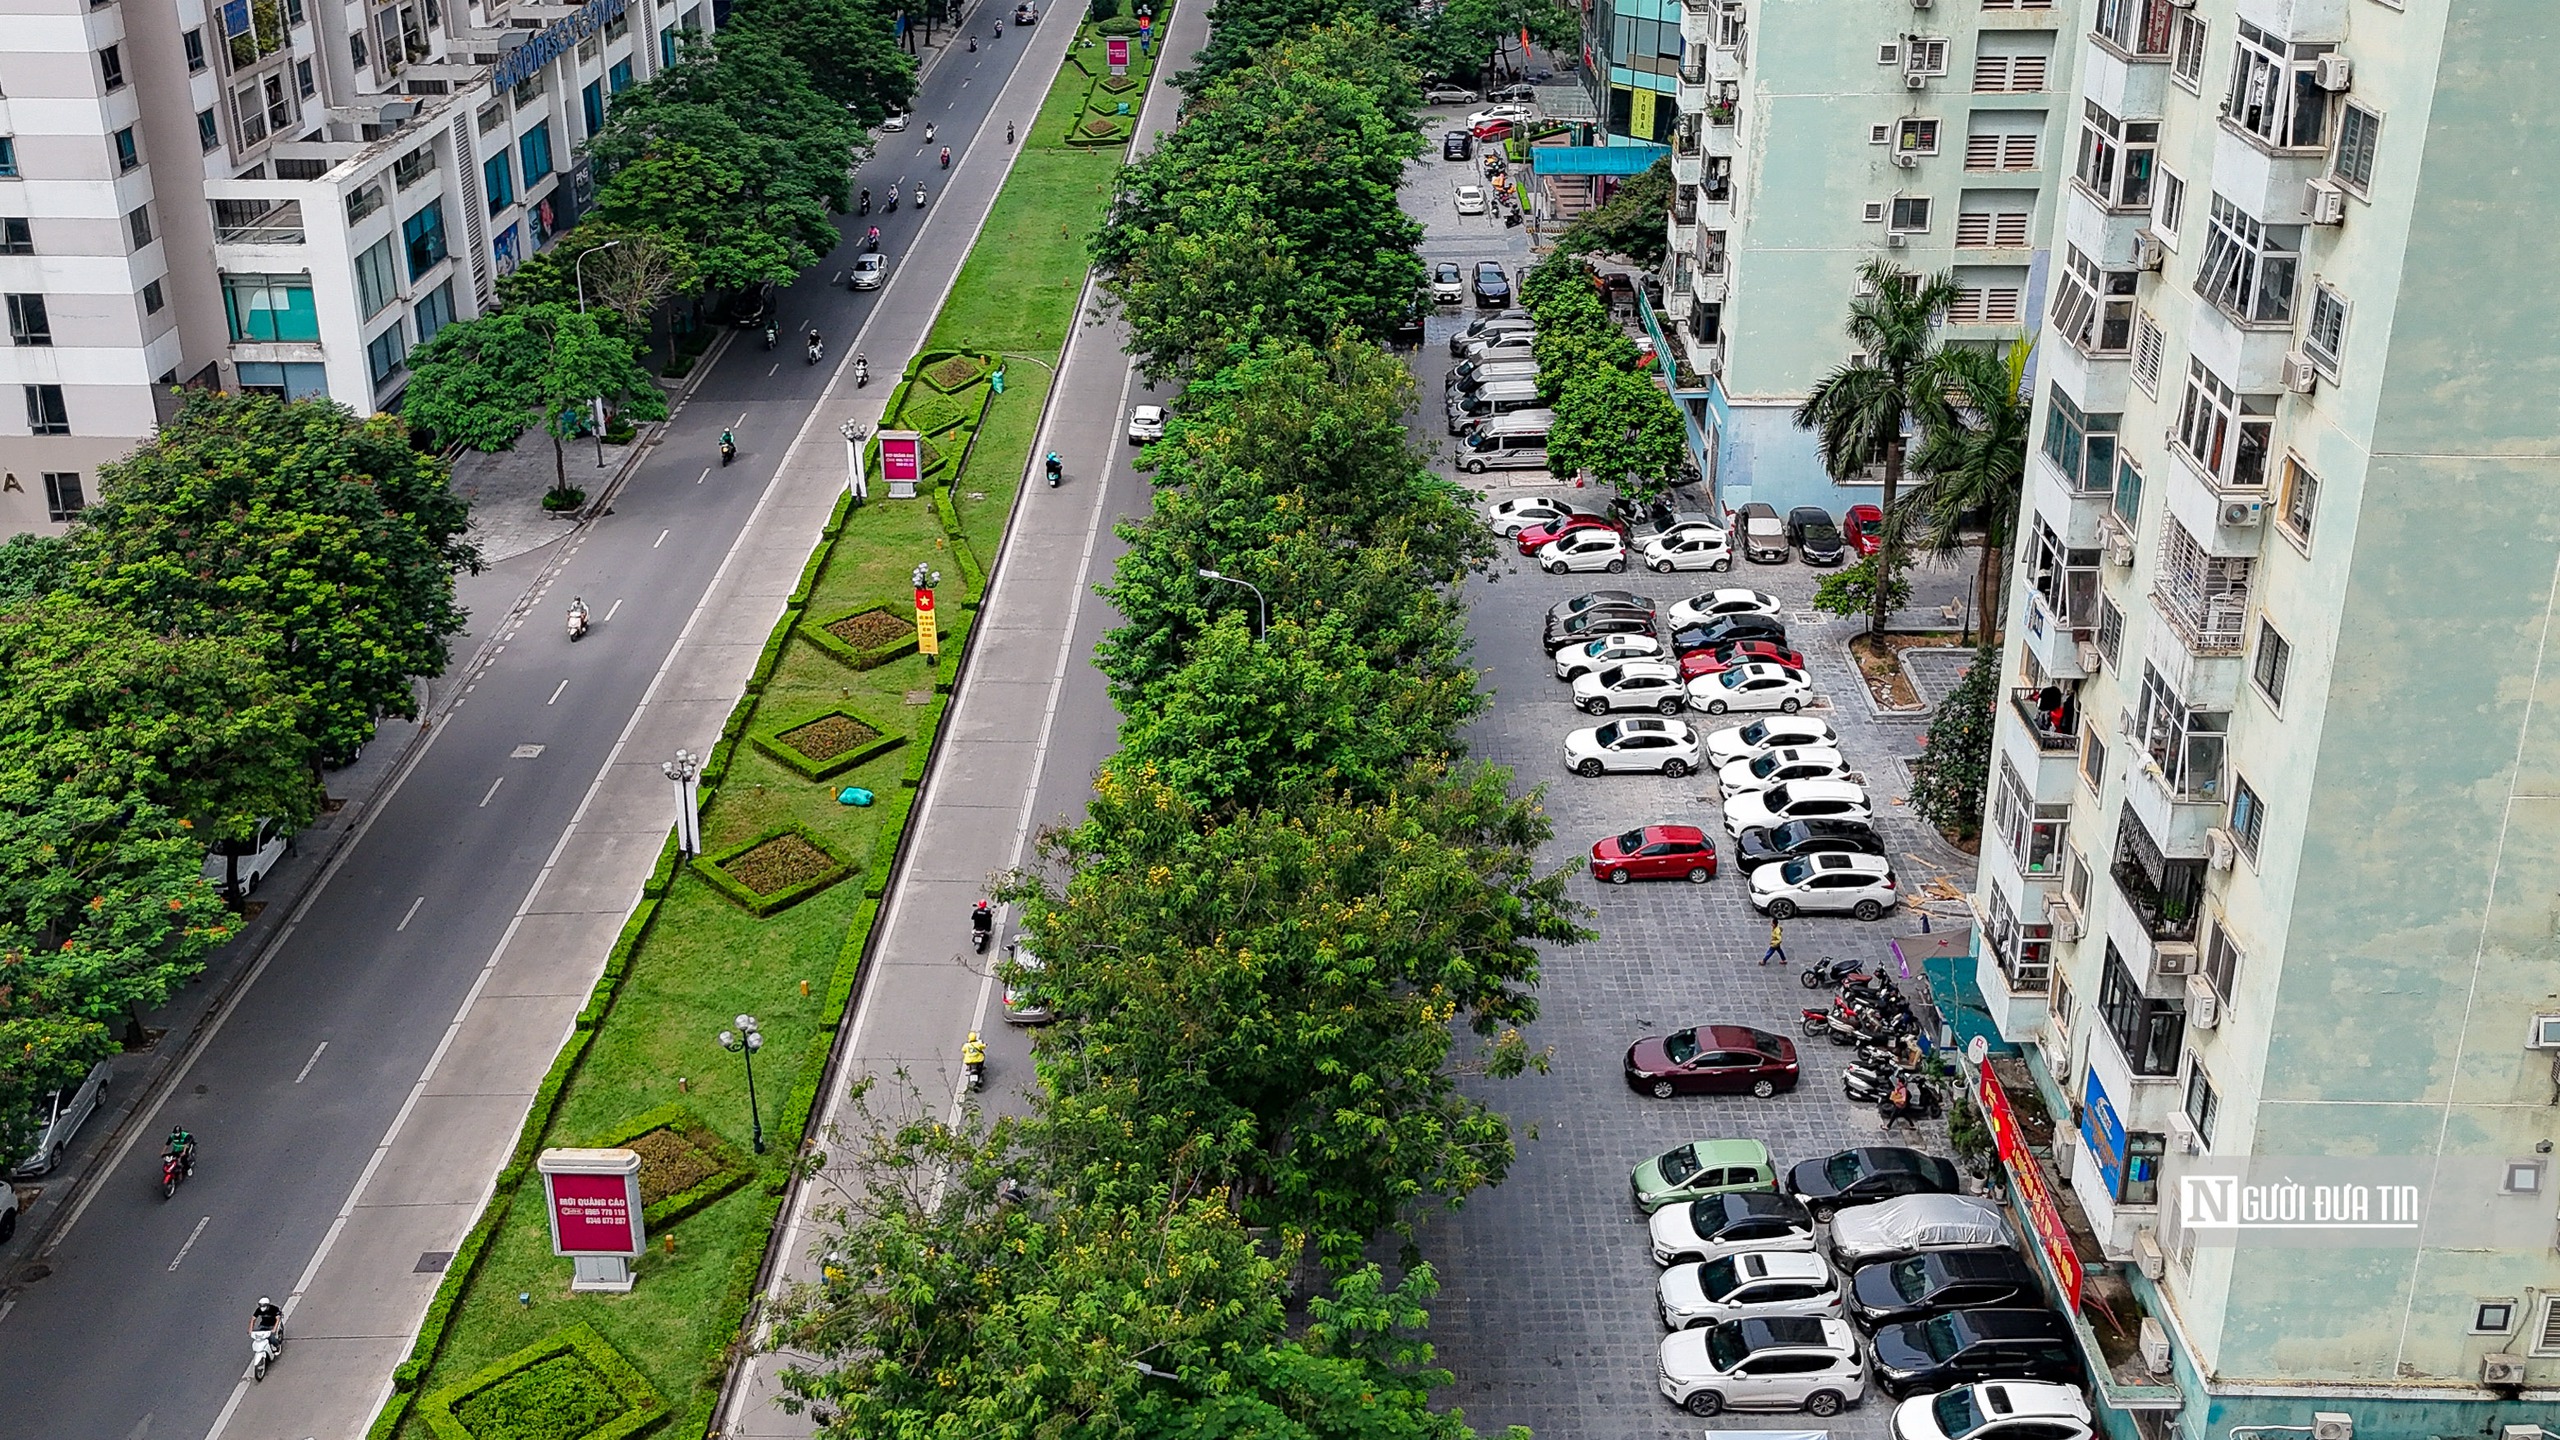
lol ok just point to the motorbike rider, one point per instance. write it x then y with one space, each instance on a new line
873 239
946 157
866 200
973 1058
267 1316
982 922
919 194
861 369
1008 132
928 132
182 1144
815 344
1057 467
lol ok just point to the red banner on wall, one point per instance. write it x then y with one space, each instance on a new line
2043 1215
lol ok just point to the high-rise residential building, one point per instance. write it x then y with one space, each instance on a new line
2273 831
1630 52
1814 135
279 195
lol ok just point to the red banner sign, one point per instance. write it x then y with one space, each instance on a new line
2043 1216
928 638
1119 55
901 455
595 1214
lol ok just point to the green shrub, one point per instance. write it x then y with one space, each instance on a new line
569 1386
847 637
837 739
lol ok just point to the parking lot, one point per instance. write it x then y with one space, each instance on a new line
1547 1310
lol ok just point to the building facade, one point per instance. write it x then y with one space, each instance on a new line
278 195
1630 54
1814 135
2271 844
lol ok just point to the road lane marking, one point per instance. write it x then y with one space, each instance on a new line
324 1045
493 790
773 370
705 475
412 915
654 544
608 615
555 695
192 1237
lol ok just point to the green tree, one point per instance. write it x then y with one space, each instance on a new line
1851 589
1859 411
480 382
628 273
1635 222
330 542
32 565
1973 448
849 49
1620 426
1947 781
1467 38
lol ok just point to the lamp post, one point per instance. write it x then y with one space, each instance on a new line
747 1040
1257 595
685 771
579 270
855 484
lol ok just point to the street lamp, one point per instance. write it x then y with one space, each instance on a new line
747 1040
579 270
855 485
685 771
1257 595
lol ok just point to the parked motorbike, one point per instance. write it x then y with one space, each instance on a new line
1826 972
1921 1101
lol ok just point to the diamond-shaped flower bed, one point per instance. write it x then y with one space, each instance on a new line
865 639
684 1163
871 629
571 1386
828 736
955 372
1100 129
928 413
775 870
827 744
1117 84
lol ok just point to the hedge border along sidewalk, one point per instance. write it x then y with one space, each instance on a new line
997 293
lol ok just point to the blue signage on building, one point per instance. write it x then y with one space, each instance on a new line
519 64
2104 1133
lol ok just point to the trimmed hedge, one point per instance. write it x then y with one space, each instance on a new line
709 867
871 659
768 738
547 1408
733 1170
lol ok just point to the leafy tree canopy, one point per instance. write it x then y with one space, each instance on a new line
848 47
480 382
1948 780
629 273
1620 426
32 565
1464 39
1634 223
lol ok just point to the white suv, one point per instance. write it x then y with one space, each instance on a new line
1755 1283
1787 1362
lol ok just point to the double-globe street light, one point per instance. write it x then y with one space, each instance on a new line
747 1040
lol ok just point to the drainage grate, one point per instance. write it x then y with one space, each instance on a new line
433 1262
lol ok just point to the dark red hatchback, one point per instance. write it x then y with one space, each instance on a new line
1712 1060
1655 852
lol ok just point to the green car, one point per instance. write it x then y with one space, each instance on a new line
1701 1168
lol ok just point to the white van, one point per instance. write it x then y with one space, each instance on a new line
1517 441
1498 397
1476 377
1500 343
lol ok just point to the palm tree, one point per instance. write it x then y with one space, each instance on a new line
1859 410
1973 448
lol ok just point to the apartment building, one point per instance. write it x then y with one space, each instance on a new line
280 195
2272 839
1630 52
1814 135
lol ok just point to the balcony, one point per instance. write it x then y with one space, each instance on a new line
2045 753
1703 357
257 221
1710 282
2267 183
2053 641
2174 787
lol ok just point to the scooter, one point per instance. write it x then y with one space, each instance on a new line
577 621
946 157
1826 972
728 451
891 206
866 204
861 372
265 1348
770 336
973 1061
173 1173
1057 470
1921 1102
872 240
817 351
919 196
982 926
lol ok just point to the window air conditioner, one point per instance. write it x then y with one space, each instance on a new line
2526 1431
1907 159
2146 1251
2332 1425
2204 1008
2119 547
2155 1346
2546 1033
2221 848
2173 957
2091 657
1914 80
2242 514
1897 240
2323 202
2333 72
2505 1370
2064 917
2297 375
2148 252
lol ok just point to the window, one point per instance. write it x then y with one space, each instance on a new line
2116 158
257 222
2226 435
2169 210
193 41
2248 816
387 355
152 299
413 167
423 234
1916 137
493 116
2110 630
2093 761
291 382
2186 51
617 78
376 286
2301 499
2032 831
591 107
2493 1317
250 112
499 177
2274 98
617 27
2202 1103
434 312
270 308
208 131
2546 1331
2006 74
8 156
45 412
1995 221
1978 302
1879 134
2275 656
531 89
363 201
2185 746
1874 212
2248 268
28 323
533 147
2206 596
2127 500
2148 1032
2148 346
2082 447
17 236
2136 27
1923 56
355 50
138 224
2093 308
2221 960
2064 578
667 48
128 148
303 80
1887 54
111 67
2359 130
2327 333
63 497
1910 213
2025 951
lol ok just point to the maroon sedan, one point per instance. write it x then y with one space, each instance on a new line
1537 535
1655 852
1859 528
1712 1060
1740 652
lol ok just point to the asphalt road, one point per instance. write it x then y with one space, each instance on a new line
137 1326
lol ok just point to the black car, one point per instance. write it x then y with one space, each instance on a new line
1758 1218
1408 331
1564 610
1457 145
1798 838
1815 535
1962 1347
1725 629
1591 626
752 307
1869 1173
1893 1292
1493 288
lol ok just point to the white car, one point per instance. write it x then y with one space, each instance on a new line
1509 517
1449 95
1146 422
1448 284
1777 767
1584 550
1760 1282
1023 1003
1716 604
1470 199
1996 1410
894 124
1834 884
1783 1362
1516 114
1634 685
1736 1222
59 1116
870 268
1665 745
235 867
1892 1229
1801 800
1741 742
1689 547
1760 685
1575 661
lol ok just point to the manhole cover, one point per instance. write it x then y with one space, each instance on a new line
525 752
433 1262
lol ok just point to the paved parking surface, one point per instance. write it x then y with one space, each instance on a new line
1546 1313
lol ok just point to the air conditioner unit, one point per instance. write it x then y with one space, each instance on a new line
2146 1251
2505 1370
1921 4
1907 159
2091 657
2064 917
2204 1008
2173 957
2221 848
2155 1346
2242 514
2298 375
2525 1432
2323 202
2182 1133
2148 252
2332 1425
2332 71
2546 1033
2119 547
1896 240
1914 80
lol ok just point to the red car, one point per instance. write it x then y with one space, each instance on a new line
1493 130
1537 535
1712 1060
1740 652
1859 528
1655 852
